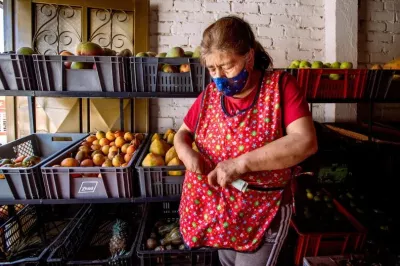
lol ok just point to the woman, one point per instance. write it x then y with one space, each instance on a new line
250 123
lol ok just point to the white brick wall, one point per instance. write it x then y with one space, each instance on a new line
288 29
379 31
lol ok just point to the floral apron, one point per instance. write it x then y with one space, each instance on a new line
228 218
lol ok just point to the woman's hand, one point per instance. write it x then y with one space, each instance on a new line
226 172
196 163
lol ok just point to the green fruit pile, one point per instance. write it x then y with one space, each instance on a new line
318 64
175 52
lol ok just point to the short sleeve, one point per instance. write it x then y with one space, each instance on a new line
294 101
193 114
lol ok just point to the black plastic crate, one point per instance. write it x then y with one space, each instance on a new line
147 75
102 73
16 72
88 182
385 85
156 181
88 242
26 183
168 211
29 236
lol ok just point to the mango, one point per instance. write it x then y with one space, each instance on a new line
109 52
81 65
26 51
197 52
67 53
176 52
175 162
153 160
89 48
125 53
151 54
161 55
141 54
171 154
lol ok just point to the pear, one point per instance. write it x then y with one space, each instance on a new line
170 139
153 160
175 162
169 131
155 136
171 154
159 147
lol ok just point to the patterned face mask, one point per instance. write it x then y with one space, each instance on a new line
234 85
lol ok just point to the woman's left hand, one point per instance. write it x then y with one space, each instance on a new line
225 173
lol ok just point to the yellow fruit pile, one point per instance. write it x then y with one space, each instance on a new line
162 152
111 149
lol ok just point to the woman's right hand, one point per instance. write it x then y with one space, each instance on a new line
195 162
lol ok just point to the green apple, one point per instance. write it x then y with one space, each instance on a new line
327 65
310 195
304 64
317 64
346 65
295 64
335 65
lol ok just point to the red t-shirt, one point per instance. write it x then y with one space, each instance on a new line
294 103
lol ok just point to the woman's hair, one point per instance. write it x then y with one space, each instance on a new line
234 35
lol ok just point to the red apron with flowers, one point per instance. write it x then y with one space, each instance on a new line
228 218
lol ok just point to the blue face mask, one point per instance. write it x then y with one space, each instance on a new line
234 85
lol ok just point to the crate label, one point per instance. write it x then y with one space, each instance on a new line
88 187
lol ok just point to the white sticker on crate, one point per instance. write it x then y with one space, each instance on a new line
88 187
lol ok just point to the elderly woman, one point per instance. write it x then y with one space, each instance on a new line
251 123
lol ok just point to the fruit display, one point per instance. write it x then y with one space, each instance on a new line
20 161
316 212
174 52
391 65
162 152
303 64
105 149
165 236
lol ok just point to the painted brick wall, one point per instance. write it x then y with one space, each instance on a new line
288 29
379 31
379 42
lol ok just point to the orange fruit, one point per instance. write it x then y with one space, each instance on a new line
128 157
104 142
96 152
107 163
85 143
118 160
100 135
110 136
119 142
124 165
95 142
112 144
84 149
69 162
105 149
113 148
87 163
128 136
112 154
119 134
99 159
90 139
124 147
131 149
96 147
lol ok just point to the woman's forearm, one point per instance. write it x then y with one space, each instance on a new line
279 154
183 143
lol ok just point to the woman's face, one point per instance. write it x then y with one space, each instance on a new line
228 64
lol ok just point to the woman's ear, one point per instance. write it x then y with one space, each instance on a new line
250 60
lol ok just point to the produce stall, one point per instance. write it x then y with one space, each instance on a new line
109 192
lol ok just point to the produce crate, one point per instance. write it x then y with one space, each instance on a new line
344 237
16 73
317 85
88 182
148 77
88 242
168 211
385 85
25 183
29 236
101 73
156 182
